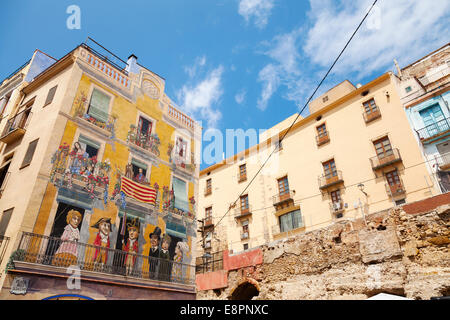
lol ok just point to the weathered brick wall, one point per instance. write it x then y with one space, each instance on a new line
397 253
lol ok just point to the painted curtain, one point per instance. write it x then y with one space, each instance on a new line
180 193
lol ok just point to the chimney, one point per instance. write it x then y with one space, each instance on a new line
398 69
132 64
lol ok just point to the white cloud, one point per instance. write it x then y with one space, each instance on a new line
402 29
192 70
199 99
258 9
284 70
240 96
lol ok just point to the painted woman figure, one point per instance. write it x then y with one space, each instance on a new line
102 242
177 268
67 253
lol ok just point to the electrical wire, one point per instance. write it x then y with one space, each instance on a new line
298 115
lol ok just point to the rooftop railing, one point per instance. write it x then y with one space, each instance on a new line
52 251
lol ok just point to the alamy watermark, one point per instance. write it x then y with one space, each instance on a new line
74 19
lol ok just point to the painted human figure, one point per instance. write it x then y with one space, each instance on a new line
132 246
177 268
153 255
102 242
129 171
140 177
67 253
164 255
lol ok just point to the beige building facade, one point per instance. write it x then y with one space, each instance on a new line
355 154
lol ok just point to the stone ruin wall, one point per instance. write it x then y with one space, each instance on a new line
397 253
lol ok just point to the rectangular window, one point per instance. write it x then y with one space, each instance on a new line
329 168
144 127
336 196
4 221
245 246
322 130
139 170
91 147
383 147
242 172
244 203
180 194
99 106
370 106
181 148
290 221
283 186
208 187
393 178
3 104
50 96
4 176
29 154
208 213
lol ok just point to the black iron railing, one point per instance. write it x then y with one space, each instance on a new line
384 159
19 121
434 129
330 179
16 71
285 196
44 250
4 241
242 211
209 262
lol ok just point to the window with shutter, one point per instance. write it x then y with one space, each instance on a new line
29 155
50 96
180 194
4 221
99 106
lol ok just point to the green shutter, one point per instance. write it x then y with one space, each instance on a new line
139 164
99 106
179 190
88 141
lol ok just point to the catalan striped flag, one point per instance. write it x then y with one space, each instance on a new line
138 191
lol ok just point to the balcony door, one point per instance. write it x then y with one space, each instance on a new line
144 127
393 178
432 118
383 147
329 169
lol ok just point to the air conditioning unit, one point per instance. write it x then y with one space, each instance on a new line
337 206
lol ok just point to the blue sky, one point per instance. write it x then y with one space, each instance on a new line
234 63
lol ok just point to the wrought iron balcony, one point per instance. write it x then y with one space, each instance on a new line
322 138
337 208
208 222
395 190
385 159
368 117
47 251
244 235
284 197
442 162
208 191
149 143
242 212
16 126
4 241
242 177
330 179
435 130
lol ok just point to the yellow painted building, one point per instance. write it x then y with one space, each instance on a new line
355 154
97 136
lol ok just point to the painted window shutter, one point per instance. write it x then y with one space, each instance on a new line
87 141
139 164
50 95
99 106
4 221
180 193
29 154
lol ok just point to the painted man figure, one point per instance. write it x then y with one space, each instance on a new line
102 243
132 246
164 255
153 255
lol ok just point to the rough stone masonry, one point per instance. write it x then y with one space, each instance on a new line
396 252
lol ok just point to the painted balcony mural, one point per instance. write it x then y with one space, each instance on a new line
180 161
81 111
77 168
149 143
